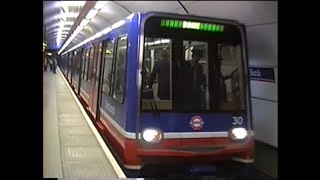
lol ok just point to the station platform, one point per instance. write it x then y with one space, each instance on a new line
72 147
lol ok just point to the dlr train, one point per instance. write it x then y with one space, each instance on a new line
167 89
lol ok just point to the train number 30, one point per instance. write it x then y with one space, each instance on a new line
237 120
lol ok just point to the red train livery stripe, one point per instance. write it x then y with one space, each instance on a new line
132 152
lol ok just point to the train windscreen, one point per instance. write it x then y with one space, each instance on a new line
192 66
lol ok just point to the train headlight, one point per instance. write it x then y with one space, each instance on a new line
152 135
238 133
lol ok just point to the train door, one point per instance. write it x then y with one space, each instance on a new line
83 65
95 77
106 71
92 64
86 81
78 69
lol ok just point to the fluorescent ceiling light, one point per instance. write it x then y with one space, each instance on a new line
130 16
106 30
100 4
84 22
72 3
117 24
92 13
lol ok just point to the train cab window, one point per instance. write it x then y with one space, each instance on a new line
157 72
108 57
195 75
230 77
120 70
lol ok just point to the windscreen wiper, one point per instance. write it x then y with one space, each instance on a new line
153 104
156 111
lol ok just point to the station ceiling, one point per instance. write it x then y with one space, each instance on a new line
62 18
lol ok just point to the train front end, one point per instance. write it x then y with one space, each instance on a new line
193 92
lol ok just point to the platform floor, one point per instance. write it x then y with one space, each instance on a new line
266 159
70 146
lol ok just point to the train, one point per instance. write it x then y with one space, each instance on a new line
167 89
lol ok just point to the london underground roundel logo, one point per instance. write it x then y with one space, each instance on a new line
196 123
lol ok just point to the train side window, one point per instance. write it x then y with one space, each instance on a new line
90 64
108 57
78 64
196 75
99 50
83 57
69 63
120 70
87 64
83 63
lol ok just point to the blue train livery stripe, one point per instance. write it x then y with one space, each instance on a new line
114 109
179 122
